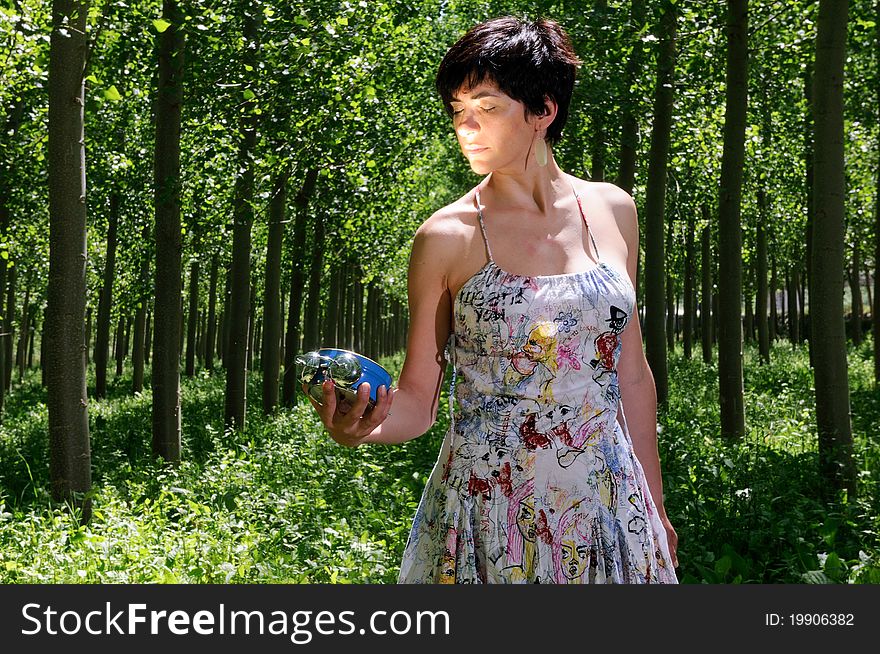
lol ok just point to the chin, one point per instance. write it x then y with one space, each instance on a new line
481 168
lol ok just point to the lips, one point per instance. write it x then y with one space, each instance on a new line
472 149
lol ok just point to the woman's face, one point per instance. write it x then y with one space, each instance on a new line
492 130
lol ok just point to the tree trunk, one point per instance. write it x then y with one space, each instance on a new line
370 323
139 349
761 304
655 264
120 344
855 288
10 331
774 284
749 319
689 274
793 322
69 450
730 356
294 307
331 323
875 305
211 336
271 343
629 133
24 334
165 380
671 314
809 161
828 340
312 335
358 310
251 327
224 318
192 318
243 217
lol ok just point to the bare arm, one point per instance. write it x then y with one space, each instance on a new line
637 389
416 397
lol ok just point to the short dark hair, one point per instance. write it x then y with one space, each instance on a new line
528 61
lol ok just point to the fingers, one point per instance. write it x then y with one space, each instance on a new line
348 423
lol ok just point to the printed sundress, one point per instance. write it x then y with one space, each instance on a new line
536 480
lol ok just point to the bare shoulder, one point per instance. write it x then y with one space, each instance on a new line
445 240
616 202
448 224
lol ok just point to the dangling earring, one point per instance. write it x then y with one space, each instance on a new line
541 152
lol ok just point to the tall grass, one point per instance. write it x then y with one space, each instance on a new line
281 502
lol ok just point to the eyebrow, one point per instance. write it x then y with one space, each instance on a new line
481 94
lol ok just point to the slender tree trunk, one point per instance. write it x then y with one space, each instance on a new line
13 119
671 315
243 217
774 285
855 287
120 344
294 308
761 305
30 348
139 349
793 322
828 341
69 450
655 266
251 328
24 335
629 136
224 318
358 311
10 312
271 363
749 319
688 331
211 336
148 338
730 363
165 379
809 156
192 317
706 291
875 305
331 324
312 335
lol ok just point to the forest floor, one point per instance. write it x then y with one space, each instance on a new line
281 502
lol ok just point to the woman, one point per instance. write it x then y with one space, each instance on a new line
527 282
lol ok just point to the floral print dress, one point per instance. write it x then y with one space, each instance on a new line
537 481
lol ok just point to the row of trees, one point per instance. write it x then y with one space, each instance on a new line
290 150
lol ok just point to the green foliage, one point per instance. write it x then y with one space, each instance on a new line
752 511
281 502
278 502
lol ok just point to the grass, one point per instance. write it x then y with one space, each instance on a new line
280 502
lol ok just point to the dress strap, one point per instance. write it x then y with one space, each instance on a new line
482 226
584 216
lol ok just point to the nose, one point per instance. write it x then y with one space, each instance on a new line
467 123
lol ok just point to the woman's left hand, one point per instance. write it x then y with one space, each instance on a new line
671 539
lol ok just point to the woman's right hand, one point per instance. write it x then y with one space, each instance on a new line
347 424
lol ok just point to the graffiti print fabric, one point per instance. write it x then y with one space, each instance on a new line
537 481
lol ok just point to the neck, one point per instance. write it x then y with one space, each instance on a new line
532 191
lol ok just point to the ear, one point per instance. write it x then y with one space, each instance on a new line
550 111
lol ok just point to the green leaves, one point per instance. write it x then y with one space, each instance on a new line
161 25
112 94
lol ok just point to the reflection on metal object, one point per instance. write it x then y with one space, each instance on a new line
347 369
